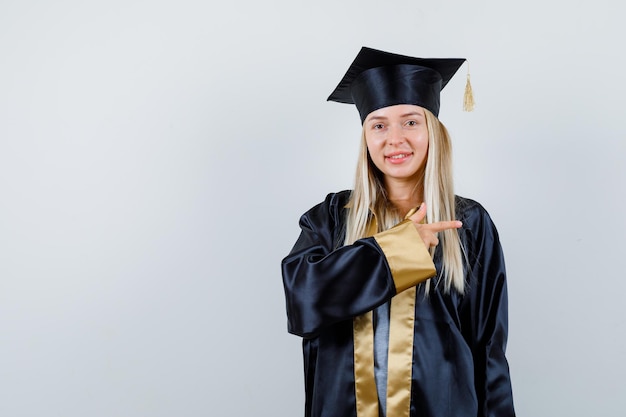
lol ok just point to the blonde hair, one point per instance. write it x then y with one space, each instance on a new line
369 196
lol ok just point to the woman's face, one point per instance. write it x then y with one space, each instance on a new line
397 140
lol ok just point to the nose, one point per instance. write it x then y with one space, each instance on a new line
395 135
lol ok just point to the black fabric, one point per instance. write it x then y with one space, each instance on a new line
459 363
378 79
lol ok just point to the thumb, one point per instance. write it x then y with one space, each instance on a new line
419 215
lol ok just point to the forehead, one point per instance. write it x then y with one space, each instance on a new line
399 110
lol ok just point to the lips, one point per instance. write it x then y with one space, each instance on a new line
398 157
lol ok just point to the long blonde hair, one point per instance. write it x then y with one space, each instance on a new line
369 197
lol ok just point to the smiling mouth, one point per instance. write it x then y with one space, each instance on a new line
399 156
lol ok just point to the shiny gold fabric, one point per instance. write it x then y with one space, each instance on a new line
401 325
404 251
406 255
364 382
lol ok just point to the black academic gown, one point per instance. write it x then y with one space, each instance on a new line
459 366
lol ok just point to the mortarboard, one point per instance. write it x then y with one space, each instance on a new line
378 79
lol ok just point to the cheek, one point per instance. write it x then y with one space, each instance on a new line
375 160
373 147
422 143
376 155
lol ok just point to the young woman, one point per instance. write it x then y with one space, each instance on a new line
398 287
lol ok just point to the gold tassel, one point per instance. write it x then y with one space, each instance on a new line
468 97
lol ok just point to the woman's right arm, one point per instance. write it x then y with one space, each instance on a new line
324 285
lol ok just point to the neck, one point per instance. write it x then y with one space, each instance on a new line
404 195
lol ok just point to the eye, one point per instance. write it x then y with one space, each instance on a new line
411 123
378 126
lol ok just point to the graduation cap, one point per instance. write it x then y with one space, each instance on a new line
378 79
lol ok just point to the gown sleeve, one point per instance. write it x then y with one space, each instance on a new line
484 311
326 282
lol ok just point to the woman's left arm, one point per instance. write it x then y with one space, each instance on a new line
484 313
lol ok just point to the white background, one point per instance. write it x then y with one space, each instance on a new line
155 157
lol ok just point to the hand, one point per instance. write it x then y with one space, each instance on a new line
428 232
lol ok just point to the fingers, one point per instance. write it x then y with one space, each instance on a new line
430 240
441 226
420 214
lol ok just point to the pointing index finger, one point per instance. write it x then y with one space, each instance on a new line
441 226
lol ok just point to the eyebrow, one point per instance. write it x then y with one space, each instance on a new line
413 113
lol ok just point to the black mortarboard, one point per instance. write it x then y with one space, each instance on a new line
378 79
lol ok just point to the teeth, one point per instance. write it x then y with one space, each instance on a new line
402 155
